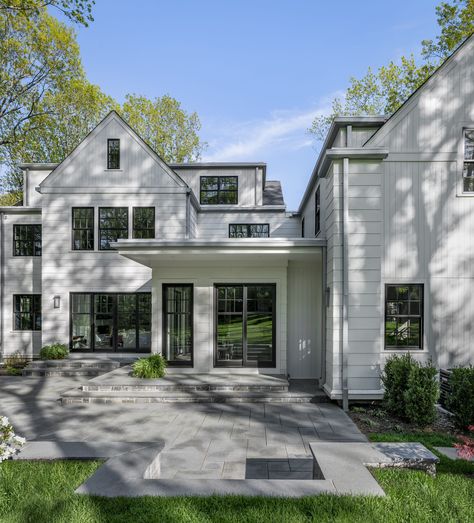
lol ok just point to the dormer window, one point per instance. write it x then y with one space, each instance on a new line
113 153
219 190
468 167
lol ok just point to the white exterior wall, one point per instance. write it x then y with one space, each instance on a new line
215 225
249 182
203 279
22 276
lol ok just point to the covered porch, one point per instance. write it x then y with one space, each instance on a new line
240 306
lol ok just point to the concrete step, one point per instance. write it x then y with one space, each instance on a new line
184 387
68 363
64 371
81 396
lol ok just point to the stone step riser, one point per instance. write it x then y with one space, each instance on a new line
61 373
185 388
69 364
207 399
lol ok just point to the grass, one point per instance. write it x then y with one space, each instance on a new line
44 492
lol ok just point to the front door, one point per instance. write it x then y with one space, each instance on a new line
245 325
111 322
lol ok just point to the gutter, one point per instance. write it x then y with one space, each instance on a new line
345 284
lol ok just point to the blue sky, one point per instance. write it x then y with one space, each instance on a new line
256 72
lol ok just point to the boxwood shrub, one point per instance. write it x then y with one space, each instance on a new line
411 389
460 401
56 351
153 366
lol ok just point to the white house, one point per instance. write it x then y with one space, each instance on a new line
114 251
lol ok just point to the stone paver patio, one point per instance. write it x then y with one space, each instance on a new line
208 441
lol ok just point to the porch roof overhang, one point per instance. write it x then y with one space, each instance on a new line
248 251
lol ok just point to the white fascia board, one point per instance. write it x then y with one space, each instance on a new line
235 208
20 210
111 190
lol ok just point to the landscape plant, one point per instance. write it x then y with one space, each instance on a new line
153 366
460 401
56 351
10 443
395 379
465 448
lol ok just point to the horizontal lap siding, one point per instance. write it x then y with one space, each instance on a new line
365 316
215 225
22 276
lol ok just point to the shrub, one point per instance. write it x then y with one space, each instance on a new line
153 366
421 394
56 351
395 379
460 401
16 360
9 442
465 449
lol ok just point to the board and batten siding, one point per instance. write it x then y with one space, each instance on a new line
22 276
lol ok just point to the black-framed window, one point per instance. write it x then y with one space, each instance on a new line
110 322
113 225
317 211
302 227
219 190
143 222
27 240
27 312
249 230
404 316
178 323
113 153
83 228
468 166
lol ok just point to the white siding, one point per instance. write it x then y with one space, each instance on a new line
304 319
22 276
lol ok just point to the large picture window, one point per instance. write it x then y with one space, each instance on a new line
404 316
468 168
144 223
245 325
113 225
249 230
83 228
27 312
111 322
219 190
178 323
27 240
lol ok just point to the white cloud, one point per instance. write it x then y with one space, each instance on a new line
284 129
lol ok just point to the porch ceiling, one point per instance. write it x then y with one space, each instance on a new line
248 251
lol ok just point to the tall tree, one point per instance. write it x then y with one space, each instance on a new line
77 11
68 115
165 126
384 91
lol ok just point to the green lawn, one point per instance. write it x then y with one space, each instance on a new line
43 492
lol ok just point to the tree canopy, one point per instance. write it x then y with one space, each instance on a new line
383 91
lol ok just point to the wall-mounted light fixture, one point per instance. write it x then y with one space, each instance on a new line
57 302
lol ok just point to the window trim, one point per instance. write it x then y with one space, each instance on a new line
109 140
115 350
302 227
421 316
269 364
73 229
218 189
14 329
100 229
164 344
15 225
133 221
317 211
248 225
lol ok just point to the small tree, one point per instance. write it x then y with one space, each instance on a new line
395 379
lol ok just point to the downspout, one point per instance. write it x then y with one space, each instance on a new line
2 282
324 313
345 283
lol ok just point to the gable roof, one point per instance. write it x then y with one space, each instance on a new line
397 115
113 115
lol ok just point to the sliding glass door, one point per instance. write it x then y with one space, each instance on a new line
178 323
245 325
110 322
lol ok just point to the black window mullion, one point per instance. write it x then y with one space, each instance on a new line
27 239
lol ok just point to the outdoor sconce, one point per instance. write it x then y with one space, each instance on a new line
57 302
